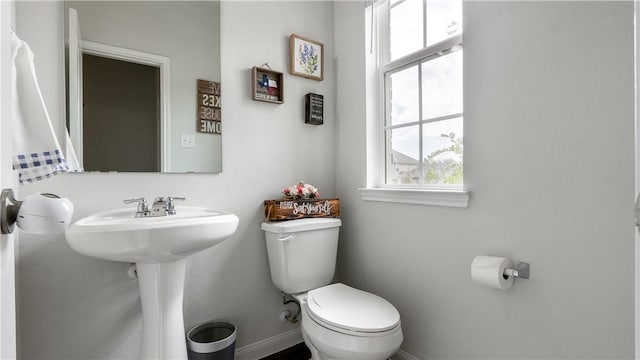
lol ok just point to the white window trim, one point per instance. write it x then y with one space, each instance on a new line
447 198
431 195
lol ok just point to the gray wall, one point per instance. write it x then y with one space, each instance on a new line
75 307
549 161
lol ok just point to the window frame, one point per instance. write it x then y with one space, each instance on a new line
421 194
417 58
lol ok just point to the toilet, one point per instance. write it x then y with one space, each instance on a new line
338 321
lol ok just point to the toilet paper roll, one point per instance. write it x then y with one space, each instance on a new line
489 271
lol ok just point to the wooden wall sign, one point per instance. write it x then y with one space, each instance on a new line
209 115
301 208
313 109
268 85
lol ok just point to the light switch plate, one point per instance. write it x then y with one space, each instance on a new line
187 141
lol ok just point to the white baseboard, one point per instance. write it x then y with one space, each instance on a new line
270 345
403 355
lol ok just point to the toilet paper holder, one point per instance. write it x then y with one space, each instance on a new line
520 270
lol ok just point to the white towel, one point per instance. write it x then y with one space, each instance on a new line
36 151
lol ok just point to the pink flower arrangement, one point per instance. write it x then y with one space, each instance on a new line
301 191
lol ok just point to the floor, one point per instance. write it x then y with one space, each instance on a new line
299 352
296 352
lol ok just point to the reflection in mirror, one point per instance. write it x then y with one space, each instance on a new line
133 84
120 101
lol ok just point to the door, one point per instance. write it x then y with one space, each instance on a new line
7 255
637 165
157 139
75 86
121 103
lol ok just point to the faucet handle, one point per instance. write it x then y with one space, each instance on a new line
143 208
171 210
129 201
138 200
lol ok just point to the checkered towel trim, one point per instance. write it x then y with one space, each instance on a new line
39 166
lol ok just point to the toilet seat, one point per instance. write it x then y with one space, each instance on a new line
351 311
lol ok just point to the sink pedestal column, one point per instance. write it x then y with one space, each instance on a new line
161 293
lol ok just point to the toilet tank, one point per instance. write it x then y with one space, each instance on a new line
302 253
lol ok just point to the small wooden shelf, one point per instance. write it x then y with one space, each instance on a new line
268 85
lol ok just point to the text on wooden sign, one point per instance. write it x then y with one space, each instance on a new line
208 112
313 109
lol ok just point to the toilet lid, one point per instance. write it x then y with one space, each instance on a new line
351 309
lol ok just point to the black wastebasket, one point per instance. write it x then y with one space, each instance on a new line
213 340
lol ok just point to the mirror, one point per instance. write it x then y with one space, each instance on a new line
164 48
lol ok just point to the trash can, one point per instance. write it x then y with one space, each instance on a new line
213 340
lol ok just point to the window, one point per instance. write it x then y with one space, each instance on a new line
420 77
414 103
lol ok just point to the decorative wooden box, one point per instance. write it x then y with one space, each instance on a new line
290 209
268 85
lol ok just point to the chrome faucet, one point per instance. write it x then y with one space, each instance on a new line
162 206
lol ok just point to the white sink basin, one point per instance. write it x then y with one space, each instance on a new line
159 247
119 236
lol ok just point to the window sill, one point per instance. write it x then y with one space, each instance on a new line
449 198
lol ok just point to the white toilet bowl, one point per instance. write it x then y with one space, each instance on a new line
340 322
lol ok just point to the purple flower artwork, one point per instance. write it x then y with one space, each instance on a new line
305 57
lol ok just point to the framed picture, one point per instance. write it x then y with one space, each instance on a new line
268 85
313 109
306 57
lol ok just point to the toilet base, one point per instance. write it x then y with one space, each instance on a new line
326 344
314 352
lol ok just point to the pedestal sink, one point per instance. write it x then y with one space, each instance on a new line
159 247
